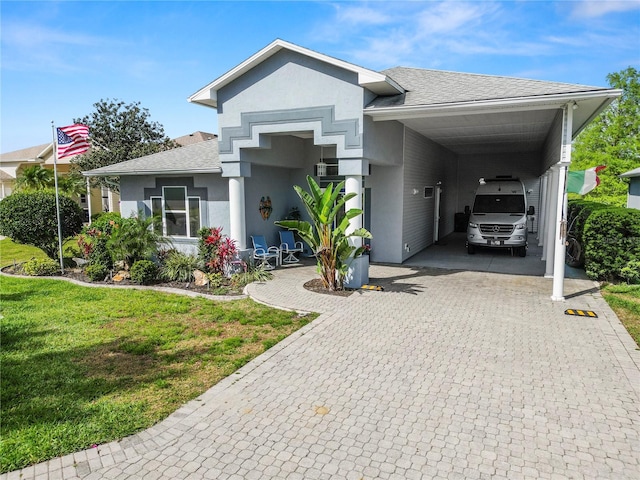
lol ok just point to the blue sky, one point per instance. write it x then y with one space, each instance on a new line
59 58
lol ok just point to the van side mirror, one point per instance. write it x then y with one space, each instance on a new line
531 211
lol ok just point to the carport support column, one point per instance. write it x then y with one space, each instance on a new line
550 221
560 237
237 219
561 206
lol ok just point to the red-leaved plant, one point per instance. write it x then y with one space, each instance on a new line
216 250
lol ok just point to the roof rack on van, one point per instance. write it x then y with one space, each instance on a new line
502 178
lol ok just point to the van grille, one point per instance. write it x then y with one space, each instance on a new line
495 229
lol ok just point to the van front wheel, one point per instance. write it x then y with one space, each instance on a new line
522 251
471 249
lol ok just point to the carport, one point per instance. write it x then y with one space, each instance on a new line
496 132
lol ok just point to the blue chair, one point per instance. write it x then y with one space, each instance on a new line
264 253
289 246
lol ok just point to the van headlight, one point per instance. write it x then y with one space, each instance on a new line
520 226
473 225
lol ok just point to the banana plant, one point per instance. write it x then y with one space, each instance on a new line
330 245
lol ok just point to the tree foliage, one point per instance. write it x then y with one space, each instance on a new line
613 139
330 244
36 178
119 132
30 218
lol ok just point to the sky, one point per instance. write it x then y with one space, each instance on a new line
58 58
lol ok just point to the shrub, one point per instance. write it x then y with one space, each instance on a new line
631 273
578 212
134 239
215 250
46 266
30 218
96 271
178 266
144 272
612 241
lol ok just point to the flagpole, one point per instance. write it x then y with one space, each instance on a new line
55 179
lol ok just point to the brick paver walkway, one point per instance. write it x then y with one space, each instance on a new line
444 375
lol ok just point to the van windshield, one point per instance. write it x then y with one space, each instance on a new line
499 204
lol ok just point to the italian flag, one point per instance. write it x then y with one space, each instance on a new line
583 181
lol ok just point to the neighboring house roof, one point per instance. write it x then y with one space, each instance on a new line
201 157
436 87
377 82
5 177
631 173
194 137
29 154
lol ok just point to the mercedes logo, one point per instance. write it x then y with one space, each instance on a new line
496 228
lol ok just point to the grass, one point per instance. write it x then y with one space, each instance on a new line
11 252
84 366
625 301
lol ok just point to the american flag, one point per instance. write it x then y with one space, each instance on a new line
72 140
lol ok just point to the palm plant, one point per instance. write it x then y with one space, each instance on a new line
330 244
134 239
34 178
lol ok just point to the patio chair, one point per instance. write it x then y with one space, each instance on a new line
289 246
264 253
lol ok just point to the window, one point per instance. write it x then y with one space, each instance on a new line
180 213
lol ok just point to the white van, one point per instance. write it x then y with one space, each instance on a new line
499 216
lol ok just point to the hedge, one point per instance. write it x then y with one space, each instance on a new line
611 240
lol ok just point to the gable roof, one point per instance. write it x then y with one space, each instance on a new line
194 137
631 173
437 87
201 157
28 154
377 82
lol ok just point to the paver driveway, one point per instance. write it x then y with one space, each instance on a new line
443 375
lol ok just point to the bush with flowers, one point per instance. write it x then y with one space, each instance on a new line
216 251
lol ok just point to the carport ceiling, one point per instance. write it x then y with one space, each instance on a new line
503 132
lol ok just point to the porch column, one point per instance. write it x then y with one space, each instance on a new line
237 219
353 184
89 199
550 222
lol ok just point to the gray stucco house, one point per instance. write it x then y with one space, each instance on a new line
633 196
412 144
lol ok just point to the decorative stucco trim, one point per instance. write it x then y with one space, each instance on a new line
275 121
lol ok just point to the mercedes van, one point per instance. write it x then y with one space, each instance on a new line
499 216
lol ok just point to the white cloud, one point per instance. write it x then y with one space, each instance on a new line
360 15
599 8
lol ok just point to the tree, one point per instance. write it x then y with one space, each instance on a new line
119 132
613 139
329 244
30 218
34 178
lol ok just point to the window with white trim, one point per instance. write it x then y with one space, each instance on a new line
179 212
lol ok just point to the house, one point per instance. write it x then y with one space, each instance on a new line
12 164
411 143
633 197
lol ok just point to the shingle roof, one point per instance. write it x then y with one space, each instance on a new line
432 87
25 154
201 157
194 137
631 173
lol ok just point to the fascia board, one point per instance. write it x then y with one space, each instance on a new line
489 106
377 82
129 173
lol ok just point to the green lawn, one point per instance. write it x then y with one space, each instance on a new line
84 366
625 301
11 252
